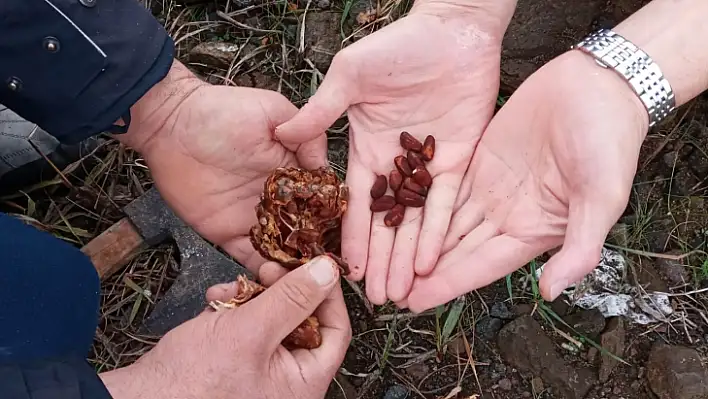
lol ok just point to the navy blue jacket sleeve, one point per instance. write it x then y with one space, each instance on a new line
70 378
75 67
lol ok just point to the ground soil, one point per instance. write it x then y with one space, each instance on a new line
395 354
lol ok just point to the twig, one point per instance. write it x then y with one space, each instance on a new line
232 21
654 254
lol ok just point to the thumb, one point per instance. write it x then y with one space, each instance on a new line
293 298
588 225
329 102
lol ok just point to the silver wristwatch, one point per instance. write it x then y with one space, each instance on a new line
611 50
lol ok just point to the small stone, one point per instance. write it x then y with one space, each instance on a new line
612 340
322 37
214 54
504 384
488 327
537 385
501 311
587 322
526 394
676 372
457 346
417 371
675 271
524 345
397 392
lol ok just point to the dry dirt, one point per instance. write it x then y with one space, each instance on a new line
394 355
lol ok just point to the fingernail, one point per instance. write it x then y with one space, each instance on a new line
322 270
558 287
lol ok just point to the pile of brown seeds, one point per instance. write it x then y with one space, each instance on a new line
409 181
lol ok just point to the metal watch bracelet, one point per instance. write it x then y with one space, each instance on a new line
613 51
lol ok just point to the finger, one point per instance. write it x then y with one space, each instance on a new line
378 262
438 211
311 149
241 248
222 292
461 271
478 236
313 154
280 309
356 222
336 333
401 268
330 101
464 221
271 272
588 225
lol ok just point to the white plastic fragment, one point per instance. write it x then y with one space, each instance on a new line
607 290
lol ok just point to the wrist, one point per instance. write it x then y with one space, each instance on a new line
673 34
491 16
150 114
138 380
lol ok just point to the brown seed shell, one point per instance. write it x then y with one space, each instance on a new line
428 150
422 177
403 166
383 203
395 180
409 198
410 184
410 143
394 217
415 160
378 189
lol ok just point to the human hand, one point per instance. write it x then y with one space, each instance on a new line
554 167
237 353
210 149
435 71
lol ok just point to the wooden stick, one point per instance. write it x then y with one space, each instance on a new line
114 248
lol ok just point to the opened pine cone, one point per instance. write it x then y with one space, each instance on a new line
299 218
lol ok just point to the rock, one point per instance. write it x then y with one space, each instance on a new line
214 54
257 80
397 392
504 384
537 385
648 277
488 327
322 37
560 306
587 322
417 371
457 346
674 270
501 311
676 372
612 339
523 344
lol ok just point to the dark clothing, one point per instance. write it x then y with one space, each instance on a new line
73 67
48 316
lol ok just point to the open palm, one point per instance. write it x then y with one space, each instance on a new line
427 73
211 160
554 167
